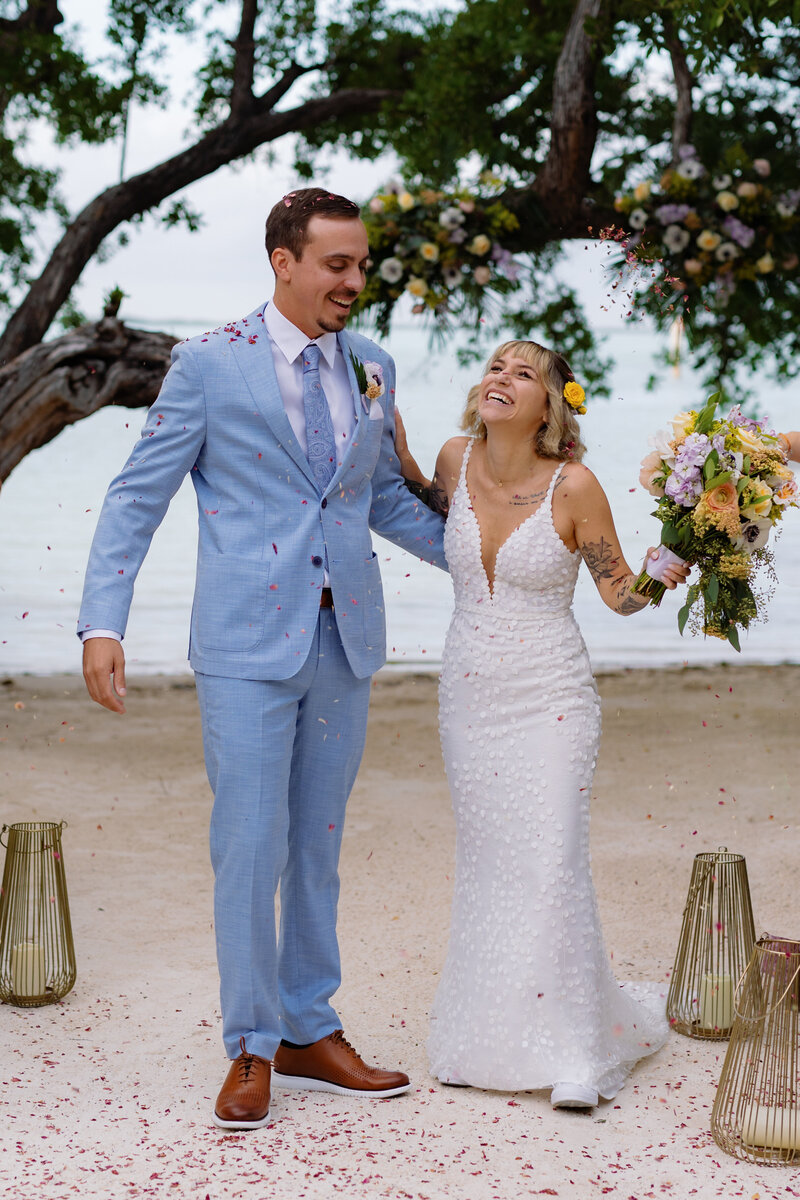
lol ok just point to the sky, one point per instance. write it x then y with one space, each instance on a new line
220 273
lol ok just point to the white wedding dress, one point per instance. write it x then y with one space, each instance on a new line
527 997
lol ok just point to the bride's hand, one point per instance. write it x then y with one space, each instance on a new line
673 575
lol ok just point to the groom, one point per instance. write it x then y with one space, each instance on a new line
285 424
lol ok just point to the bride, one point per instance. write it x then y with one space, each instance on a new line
527 997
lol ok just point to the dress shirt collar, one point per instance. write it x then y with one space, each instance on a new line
291 341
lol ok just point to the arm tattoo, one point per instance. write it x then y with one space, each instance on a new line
628 603
599 558
438 497
433 495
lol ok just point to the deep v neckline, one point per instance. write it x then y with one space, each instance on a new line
490 583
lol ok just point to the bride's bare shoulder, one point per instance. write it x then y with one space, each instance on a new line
451 454
580 485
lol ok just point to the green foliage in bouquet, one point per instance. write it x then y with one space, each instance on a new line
722 486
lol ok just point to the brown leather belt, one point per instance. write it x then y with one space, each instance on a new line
326 598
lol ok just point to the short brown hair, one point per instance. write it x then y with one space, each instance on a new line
287 223
559 437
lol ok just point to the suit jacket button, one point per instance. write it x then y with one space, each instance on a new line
316 561
323 503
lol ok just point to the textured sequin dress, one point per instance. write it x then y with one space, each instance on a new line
527 997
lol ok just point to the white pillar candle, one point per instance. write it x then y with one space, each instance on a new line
771 1128
28 969
716 1001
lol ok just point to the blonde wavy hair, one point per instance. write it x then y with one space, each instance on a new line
559 437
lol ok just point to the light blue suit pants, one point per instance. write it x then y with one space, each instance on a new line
282 757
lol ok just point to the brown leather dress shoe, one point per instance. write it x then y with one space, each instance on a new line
332 1065
243 1102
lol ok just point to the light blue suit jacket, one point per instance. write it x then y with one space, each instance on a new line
263 526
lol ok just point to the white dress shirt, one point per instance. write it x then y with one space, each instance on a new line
288 343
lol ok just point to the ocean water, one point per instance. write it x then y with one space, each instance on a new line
49 506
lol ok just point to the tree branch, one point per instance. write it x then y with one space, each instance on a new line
564 178
684 82
233 139
270 98
57 383
244 60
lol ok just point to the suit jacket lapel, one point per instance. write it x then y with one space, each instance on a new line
360 411
253 352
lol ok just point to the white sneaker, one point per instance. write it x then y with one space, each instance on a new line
573 1095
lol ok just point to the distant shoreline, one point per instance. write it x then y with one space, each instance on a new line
395 672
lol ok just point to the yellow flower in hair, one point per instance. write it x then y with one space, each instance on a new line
575 396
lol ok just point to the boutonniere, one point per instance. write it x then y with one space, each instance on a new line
369 376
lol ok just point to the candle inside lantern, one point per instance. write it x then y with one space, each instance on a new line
771 1128
716 1001
28 969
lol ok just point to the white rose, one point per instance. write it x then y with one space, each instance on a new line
682 424
708 240
748 190
480 244
727 201
376 205
662 445
761 167
482 275
417 287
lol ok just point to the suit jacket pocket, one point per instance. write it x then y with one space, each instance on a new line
230 602
374 613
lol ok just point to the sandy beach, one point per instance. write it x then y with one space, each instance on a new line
110 1092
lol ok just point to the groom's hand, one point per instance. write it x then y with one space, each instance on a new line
104 672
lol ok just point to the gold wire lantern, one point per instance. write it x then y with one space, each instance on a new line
716 940
756 1113
37 954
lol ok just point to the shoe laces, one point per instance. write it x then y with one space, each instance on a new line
338 1037
245 1061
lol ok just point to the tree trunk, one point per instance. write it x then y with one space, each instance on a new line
563 181
57 383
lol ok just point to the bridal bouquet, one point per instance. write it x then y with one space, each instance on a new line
722 486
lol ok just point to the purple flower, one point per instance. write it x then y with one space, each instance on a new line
505 262
693 452
457 236
742 234
686 151
669 214
684 489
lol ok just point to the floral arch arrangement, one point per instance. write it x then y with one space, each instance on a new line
445 250
717 246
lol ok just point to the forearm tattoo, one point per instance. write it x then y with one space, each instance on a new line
600 558
627 603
